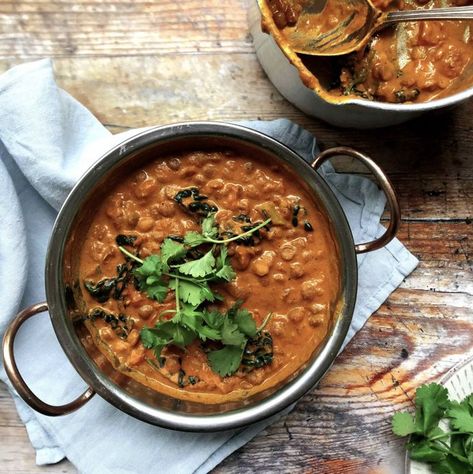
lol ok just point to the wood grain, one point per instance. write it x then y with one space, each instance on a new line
147 63
34 29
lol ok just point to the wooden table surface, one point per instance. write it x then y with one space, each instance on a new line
136 63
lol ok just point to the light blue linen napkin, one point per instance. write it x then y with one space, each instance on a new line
47 140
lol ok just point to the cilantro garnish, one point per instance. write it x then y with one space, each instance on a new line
210 232
226 361
448 452
461 414
171 250
201 267
177 269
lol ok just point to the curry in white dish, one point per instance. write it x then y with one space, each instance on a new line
410 62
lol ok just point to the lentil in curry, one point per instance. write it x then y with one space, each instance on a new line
209 276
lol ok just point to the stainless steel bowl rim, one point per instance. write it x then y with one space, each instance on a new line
111 392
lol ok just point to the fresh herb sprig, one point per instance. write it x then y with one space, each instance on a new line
232 330
209 233
176 269
447 452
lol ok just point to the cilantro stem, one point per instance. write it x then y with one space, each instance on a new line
446 435
176 291
180 277
129 254
263 324
171 275
447 450
167 311
239 236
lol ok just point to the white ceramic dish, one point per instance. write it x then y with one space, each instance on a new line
459 383
354 113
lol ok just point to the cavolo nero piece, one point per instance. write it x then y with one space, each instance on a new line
192 201
113 287
121 324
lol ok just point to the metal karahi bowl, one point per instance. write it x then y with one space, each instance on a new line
62 275
307 92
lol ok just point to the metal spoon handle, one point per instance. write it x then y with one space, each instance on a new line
452 13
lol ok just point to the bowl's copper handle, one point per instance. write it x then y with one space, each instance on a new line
385 184
17 380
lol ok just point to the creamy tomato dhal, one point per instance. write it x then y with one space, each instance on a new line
282 273
409 62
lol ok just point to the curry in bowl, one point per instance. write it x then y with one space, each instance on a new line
208 276
410 63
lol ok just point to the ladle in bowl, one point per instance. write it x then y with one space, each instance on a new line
316 34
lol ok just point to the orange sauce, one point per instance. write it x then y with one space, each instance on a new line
291 272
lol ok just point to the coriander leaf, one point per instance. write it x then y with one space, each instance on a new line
231 335
189 292
467 444
242 318
152 341
148 339
157 291
449 452
201 267
425 451
171 250
225 361
193 293
461 415
208 294
246 323
209 230
193 319
214 319
206 332
149 276
183 336
173 332
152 265
209 227
431 403
450 465
224 268
186 311
457 445
226 273
152 280
193 239
436 432
403 424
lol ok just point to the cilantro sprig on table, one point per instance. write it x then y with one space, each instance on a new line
447 452
177 269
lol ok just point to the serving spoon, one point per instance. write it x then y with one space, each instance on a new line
359 21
